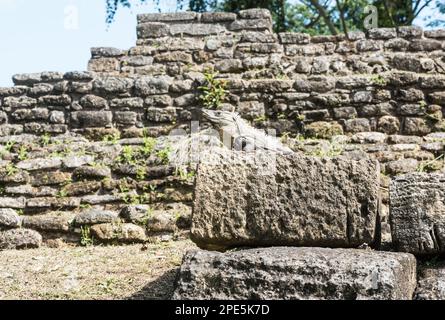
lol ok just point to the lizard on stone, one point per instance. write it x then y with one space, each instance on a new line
244 137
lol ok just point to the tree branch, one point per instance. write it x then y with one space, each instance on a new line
415 14
322 11
341 10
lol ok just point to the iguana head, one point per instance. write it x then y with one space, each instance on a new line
219 118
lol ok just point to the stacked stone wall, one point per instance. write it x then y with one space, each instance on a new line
381 92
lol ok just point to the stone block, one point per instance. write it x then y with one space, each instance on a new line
297 273
297 200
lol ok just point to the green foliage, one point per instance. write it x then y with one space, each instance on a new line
312 16
432 165
379 80
141 173
214 91
164 154
148 147
85 237
135 198
112 138
148 216
184 174
260 119
23 153
9 145
127 155
61 193
330 151
11 169
45 140
108 285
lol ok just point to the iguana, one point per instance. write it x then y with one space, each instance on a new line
243 136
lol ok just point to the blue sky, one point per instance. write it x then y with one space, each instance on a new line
39 35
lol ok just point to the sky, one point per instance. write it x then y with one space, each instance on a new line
56 35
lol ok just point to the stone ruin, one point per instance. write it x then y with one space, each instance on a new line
84 157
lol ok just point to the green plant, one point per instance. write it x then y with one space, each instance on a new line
127 155
148 146
123 187
112 138
20 212
9 145
260 119
281 76
61 193
108 285
23 152
85 236
214 91
148 215
164 154
45 139
285 136
301 117
184 174
11 169
431 165
379 80
332 150
141 173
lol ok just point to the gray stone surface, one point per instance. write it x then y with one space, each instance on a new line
19 239
9 218
297 273
196 29
125 232
95 216
293 200
52 221
167 17
417 213
152 85
40 164
431 282
92 172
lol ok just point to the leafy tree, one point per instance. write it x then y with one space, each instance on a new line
440 5
400 12
312 16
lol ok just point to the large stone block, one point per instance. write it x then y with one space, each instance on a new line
20 239
297 273
286 200
167 17
91 118
152 30
196 29
152 85
417 213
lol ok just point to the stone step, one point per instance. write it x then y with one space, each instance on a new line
297 273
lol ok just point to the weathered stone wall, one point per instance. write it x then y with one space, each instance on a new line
381 92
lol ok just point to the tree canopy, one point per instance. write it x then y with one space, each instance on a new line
311 16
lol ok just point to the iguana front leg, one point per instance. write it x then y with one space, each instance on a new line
244 143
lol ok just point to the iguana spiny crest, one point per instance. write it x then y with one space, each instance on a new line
244 136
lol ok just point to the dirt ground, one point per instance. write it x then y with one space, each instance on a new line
104 272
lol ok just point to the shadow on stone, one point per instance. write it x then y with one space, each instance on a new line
161 288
